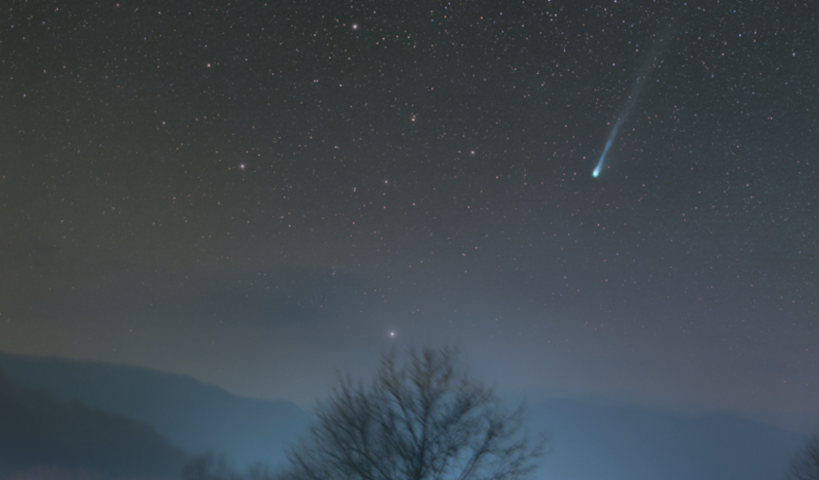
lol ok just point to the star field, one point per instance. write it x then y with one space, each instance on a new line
256 194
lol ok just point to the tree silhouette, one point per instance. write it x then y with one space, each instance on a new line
805 466
425 420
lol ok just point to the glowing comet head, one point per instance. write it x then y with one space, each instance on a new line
609 143
647 67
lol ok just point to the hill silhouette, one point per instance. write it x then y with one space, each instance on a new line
588 440
37 431
628 443
195 416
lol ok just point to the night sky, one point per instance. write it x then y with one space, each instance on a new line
259 194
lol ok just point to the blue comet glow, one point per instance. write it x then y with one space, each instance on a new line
645 70
613 134
609 143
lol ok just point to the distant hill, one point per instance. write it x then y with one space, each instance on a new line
195 416
633 443
39 432
588 441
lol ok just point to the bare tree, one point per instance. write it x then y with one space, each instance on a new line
805 466
426 420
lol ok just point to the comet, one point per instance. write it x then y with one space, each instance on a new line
642 77
613 134
609 143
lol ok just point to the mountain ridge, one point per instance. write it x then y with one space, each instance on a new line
38 431
630 442
193 415
588 439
